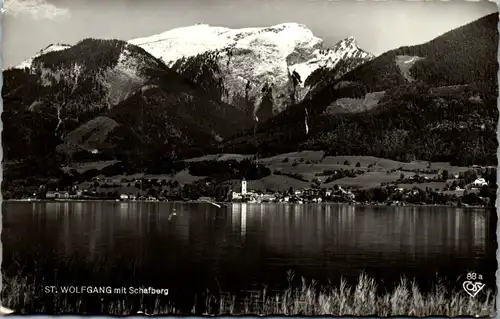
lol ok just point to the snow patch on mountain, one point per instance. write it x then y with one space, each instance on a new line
51 48
248 59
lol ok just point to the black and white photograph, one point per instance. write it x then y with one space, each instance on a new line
249 157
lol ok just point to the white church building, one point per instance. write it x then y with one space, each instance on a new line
243 191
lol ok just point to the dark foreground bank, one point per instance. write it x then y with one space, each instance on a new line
361 299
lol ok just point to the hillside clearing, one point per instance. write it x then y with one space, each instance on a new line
299 170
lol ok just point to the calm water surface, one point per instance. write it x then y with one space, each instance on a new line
243 246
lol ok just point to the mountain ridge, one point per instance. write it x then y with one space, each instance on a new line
262 70
49 48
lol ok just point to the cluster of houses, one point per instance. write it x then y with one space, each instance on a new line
133 197
63 194
80 194
478 183
243 194
313 195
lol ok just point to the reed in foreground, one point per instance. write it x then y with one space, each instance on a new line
308 299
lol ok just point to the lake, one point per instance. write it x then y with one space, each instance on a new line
242 247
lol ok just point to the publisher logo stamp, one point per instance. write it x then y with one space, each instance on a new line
473 284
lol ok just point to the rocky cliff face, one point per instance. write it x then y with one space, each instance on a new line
260 70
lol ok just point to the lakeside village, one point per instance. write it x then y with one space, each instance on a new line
478 192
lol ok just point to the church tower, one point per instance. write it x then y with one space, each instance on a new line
243 187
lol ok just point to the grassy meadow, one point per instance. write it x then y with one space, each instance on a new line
310 165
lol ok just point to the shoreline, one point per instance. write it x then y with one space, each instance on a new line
375 204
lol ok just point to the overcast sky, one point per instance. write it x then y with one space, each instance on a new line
29 25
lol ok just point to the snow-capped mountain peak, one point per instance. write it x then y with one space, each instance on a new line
249 61
348 43
329 57
200 38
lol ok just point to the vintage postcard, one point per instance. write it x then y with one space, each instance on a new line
249 157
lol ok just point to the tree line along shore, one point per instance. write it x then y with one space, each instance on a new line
298 178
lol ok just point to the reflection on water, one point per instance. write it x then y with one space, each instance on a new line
246 244
412 230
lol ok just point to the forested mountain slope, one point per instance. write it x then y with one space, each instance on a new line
108 99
